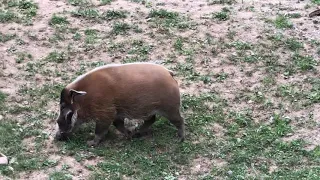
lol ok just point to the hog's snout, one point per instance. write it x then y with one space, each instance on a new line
61 136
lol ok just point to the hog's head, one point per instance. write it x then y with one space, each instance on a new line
68 113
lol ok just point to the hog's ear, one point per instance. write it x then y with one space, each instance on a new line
73 93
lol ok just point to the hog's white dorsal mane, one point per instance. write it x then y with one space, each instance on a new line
108 66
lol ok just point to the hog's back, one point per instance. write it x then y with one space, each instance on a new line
134 91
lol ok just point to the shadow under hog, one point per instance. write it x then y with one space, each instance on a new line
109 94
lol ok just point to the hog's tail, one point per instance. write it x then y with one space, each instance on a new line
172 74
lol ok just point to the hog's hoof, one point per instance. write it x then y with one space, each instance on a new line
92 143
128 135
61 137
181 139
141 134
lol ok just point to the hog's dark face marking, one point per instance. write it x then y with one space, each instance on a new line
65 118
68 114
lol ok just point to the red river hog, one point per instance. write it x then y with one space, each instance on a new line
109 94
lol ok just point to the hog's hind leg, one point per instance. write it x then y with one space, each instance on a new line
174 116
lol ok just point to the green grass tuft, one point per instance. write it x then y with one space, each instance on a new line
112 14
240 45
304 63
105 2
223 15
57 57
315 1
6 37
293 44
162 13
58 20
229 2
22 11
168 19
178 45
86 12
60 175
120 28
282 22
22 56
78 2
293 15
91 36
7 16
3 97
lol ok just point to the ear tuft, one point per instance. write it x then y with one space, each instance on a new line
73 93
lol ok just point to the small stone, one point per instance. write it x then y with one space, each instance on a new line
1 117
271 120
42 29
289 134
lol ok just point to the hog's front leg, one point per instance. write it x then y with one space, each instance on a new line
100 132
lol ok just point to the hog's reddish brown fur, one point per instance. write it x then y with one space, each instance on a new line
137 90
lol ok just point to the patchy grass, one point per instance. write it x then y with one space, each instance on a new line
60 175
249 88
167 19
314 94
2 100
304 63
22 56
105 2
91 36
7 16
162 13
178 44
315 1
282 22
223 15
86 12
79 2
6 37
240 45
58 20
140 48
91 13
293 15
229 2
120 28
293 44
22 11
112 14
57 57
